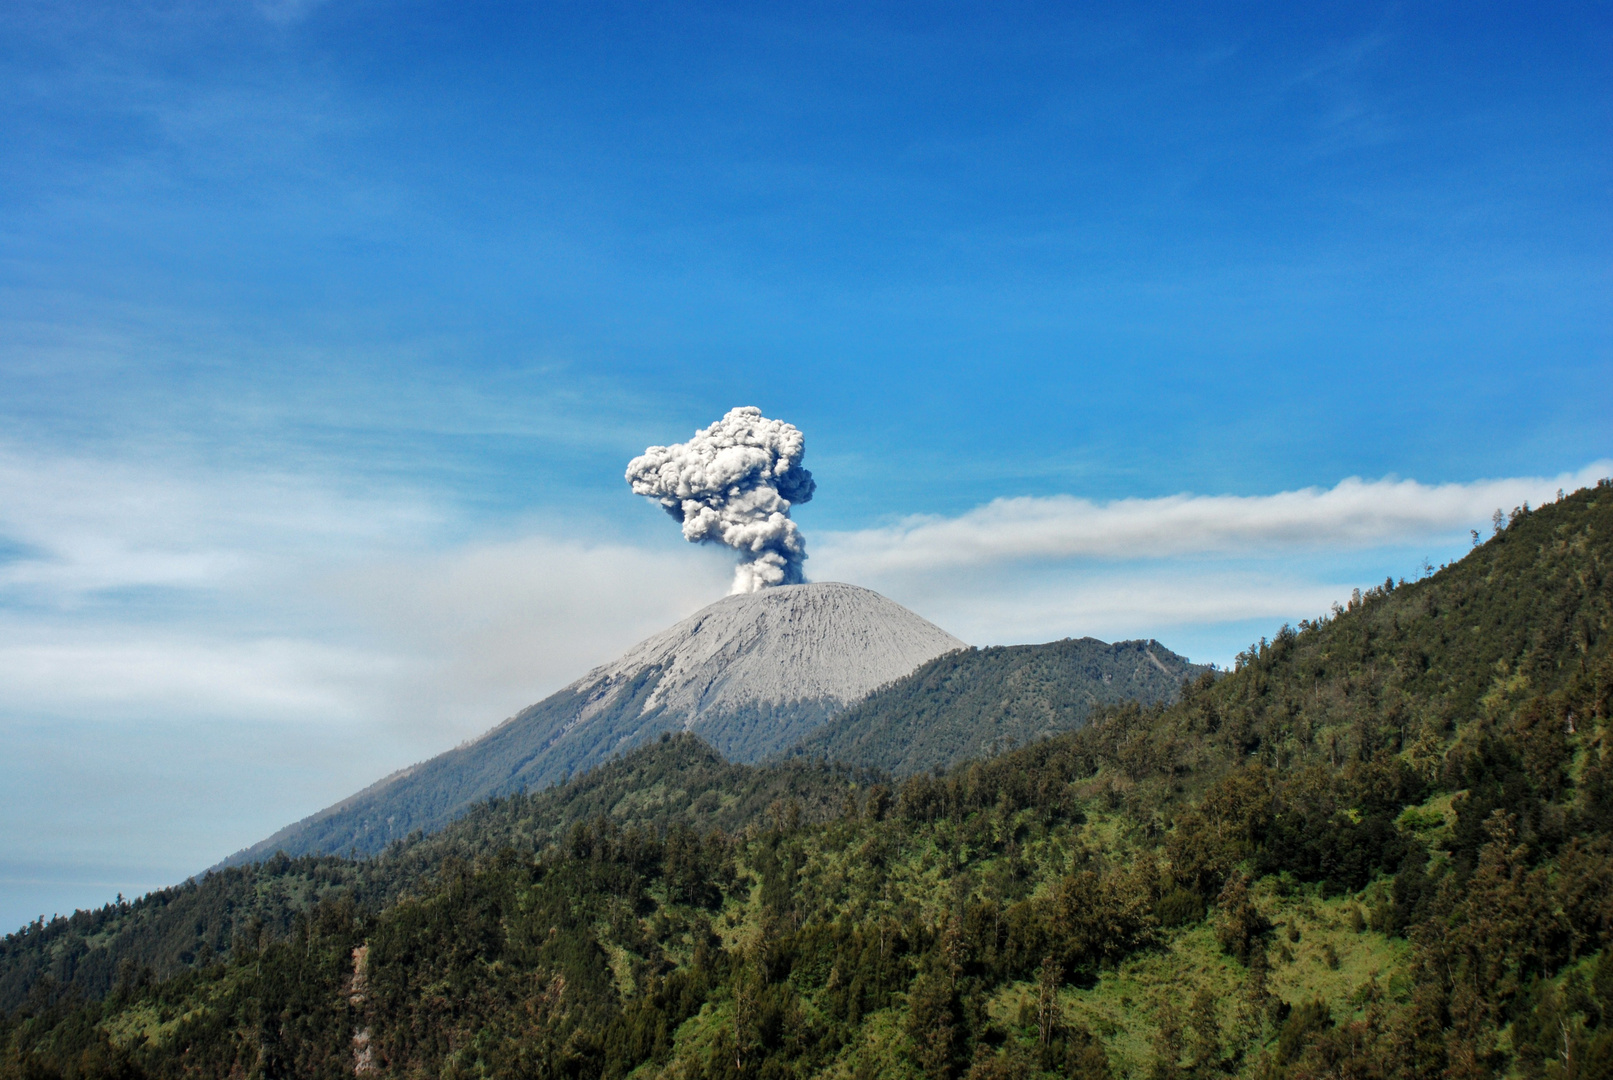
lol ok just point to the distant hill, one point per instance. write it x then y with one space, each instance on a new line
750 674
978 702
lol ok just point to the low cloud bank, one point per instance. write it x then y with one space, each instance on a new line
137 590
1354 514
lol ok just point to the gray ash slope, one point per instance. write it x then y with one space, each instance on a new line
978 702
751 675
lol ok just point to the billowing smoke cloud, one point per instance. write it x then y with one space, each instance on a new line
734 484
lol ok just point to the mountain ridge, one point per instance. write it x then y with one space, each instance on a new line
976 702
750 673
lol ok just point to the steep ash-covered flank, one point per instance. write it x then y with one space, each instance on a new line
751 674
794 650
978 702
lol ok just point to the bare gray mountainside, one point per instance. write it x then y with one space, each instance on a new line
751 674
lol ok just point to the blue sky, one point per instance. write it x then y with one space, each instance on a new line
327 329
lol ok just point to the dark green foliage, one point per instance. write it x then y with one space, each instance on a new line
587 959
1179 907
1302 1024
977 702
1339 829
1239 925
51 1036
1567 1029
179 928
935 1025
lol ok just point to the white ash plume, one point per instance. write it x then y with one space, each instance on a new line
734 484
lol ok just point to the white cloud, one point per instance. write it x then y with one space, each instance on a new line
123 672
1138 602
79 526
1354 514
155 589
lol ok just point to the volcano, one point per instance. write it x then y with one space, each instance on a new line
751 674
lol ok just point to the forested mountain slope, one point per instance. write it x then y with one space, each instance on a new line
678 780
977 702
1382 847
675 782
